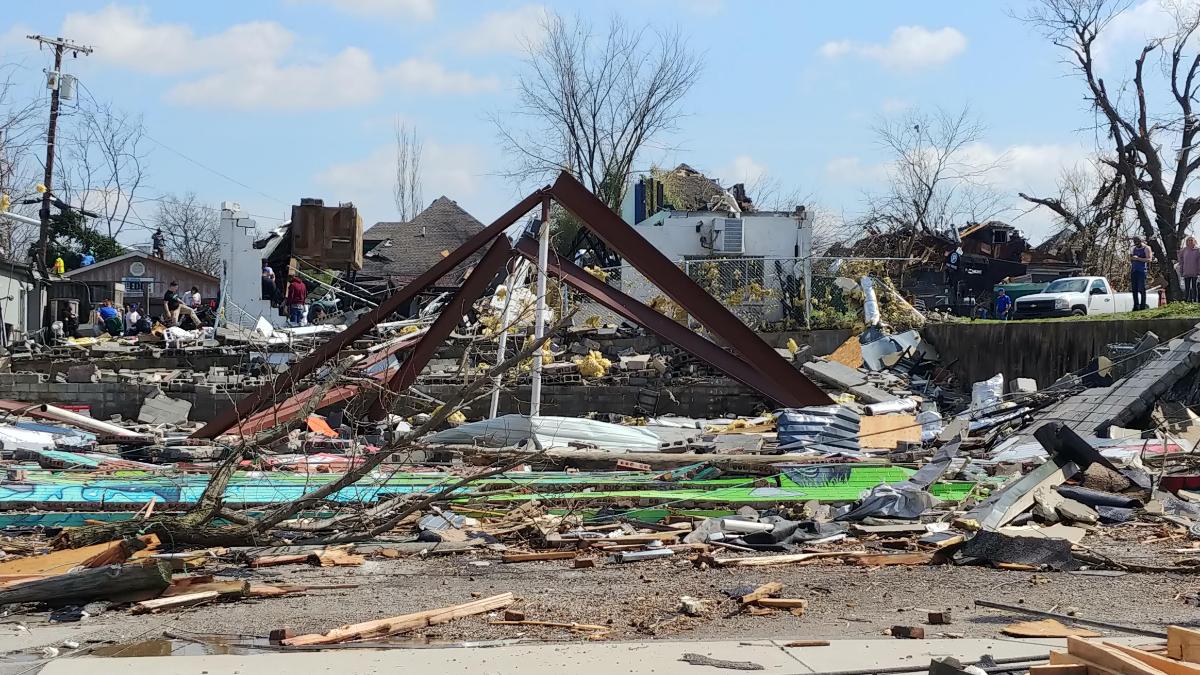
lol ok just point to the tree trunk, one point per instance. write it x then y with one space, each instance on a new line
102 582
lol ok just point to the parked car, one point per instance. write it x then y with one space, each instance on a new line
1077 296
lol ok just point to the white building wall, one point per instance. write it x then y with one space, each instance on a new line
770 236
15 295
241 271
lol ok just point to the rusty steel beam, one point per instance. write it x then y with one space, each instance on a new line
662 326
286 380
451 315
685 292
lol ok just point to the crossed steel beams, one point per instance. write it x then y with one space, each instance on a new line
759 366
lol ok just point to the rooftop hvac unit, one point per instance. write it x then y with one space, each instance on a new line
730 238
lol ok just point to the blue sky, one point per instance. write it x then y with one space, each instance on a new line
299 97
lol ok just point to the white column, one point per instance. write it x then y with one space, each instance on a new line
539 320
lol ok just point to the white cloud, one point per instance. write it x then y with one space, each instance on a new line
853 171
508 31
256 65
1128 32
414 9
743 169
450 169
909 48
432 76
127 37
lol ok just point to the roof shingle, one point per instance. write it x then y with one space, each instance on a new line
408 249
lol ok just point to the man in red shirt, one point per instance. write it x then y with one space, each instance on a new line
297 294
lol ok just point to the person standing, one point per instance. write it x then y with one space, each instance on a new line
60 267
269 290
1003 305
297 294
159 243
1139 265
1189 269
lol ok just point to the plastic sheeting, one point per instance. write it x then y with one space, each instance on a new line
552 432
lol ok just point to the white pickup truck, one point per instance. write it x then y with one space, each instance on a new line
1076 296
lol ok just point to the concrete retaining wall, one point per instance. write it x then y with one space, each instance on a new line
1043 350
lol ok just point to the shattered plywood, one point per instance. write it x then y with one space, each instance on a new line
888 431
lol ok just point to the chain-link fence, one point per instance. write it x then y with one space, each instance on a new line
765 293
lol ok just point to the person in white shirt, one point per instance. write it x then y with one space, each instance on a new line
195 298
131 319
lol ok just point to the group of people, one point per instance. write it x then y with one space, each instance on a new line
294 297
132 319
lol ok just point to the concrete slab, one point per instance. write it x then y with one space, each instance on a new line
661 658
582 658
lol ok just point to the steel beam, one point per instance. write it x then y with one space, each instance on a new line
685 292
662 326
451 315
286 381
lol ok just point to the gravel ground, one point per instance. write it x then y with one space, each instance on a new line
639 601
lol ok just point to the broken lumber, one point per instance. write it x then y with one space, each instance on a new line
91 584
225 588
273 560
888 559
185 600
1169 666
336 557
1108 658
808 643
764 591
782 603
1045 628
61 562
1183 643
1059 669
554 624
769 560
530 557
402 623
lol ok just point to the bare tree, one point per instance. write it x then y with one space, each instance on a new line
934 183
20 138
596 101
1091 205
1150 133
408 172
103 164
192 231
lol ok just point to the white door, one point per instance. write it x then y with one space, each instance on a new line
1102 302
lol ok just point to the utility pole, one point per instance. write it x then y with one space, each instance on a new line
54 80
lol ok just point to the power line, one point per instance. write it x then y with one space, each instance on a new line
192 160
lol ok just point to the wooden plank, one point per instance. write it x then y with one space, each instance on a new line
1045 628
764 591
530 557
770 560
1059 669
1183 643
336 557
273 560
887 559
1168 666
808 643
404 622
185 600
1063 658
60 562
782 603
553 624
229 588
1109 658
887 431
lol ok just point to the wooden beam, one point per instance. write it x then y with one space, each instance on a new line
404 622
764 591
771 560
530 557
1059 669
1063 658
185 600
1109 658
1168 666
1183 643
782 603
